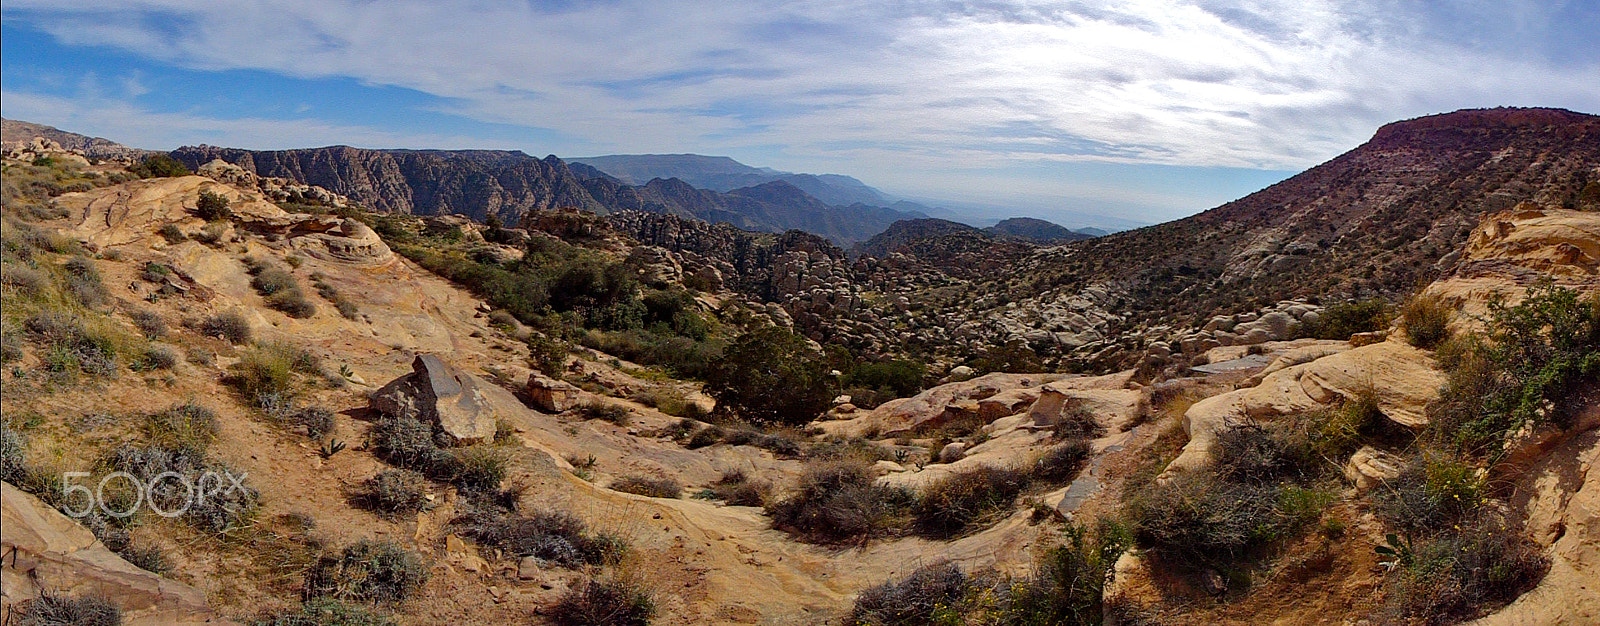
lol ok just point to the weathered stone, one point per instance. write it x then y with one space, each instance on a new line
1369 467
48 551
437 393
952 452
551 395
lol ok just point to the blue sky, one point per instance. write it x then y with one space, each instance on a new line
1137 110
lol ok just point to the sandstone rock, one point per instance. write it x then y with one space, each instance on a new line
528 568
48 551
936 406
885 466
1370 467
551 395
960 373
1368 338
952 452
1112 408
438 393
1402 378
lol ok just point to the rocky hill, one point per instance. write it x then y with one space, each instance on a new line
510 184
1038 231
16 132
724 174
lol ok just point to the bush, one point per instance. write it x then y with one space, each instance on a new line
925 596
1426 320
1537 367
212 207
160 358
159 166
231 326
605 411
950 505
173 234
1076 422
479 469
324 612
292 303
1430 494
405 442
603 603
318 422
1253 452
771 375
224 506
549 536
1062 463
736 489
187 426
367 571
393 492
264 375
1340 321
150 324
50 609
1464 575
211 234
649 487
84 283
839 501
1198 521
1068 580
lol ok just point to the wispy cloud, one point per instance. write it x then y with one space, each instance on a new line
896 90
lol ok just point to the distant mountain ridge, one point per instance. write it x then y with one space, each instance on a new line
720 173
1039 231
511 184
17 131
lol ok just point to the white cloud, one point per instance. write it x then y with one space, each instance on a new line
886 88
142 128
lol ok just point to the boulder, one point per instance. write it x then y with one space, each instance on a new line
551 395
48 551
1370 467
952 452
435 392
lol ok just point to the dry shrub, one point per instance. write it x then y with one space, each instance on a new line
50 609
1426 320
393 492
649 487
367 571
1062 463
1465 574
840 500
736 489
231 326
603 603
550 536
953 504
927 593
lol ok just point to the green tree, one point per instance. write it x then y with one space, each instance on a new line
771 376
212 207
159 166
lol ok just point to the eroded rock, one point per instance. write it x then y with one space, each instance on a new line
436 392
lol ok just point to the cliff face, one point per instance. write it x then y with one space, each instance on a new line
476 183
511 184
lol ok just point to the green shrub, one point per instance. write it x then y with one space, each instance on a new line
212 207
896 378
211 234
394 492
187 426
50 609
84 283
159 358
603 603
1431 493
265 373
1426 320
173 234
479 469
292 303
1068 580
1338 432
405 442
1014 356
648 487
605 411
367 571
1340 321
954 503
931 594
840 500
1537 367
231 326
546 355
771 376
159 166
1199 521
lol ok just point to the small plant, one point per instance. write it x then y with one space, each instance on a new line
211 234
50 609
231 326
606 411
1062 462
150 324
926 596
367 571
186 426
952 504
603 603
736 489
649 487
173 234
212 207
324 612
330 448
551 536
838 501
1397 550
1426 320
480 469
317 421
394 492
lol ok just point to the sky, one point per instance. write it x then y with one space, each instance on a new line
1133 111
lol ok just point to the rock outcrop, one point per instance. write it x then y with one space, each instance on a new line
435 392
48 551
551 395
